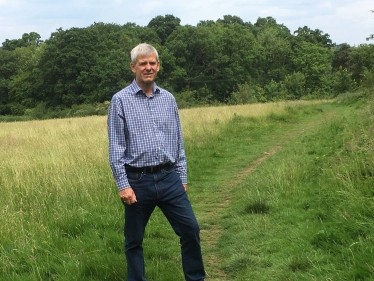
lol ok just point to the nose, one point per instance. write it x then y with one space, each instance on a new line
148 66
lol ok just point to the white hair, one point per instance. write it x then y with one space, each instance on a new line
142 49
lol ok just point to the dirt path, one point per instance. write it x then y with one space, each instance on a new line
215 211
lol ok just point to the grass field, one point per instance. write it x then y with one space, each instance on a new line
282 191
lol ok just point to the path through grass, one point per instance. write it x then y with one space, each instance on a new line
253 152
261 186
300 208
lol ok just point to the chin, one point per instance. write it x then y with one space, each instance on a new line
149 80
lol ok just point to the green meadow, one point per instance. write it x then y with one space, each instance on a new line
282 191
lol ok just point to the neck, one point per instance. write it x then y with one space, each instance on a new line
147 88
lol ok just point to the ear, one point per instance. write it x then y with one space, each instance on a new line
132 65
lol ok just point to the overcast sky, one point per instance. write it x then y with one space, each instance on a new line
346 21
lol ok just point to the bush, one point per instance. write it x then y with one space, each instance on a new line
12 118
82 110
367 79
245 94
273 91
102 108
186 99
17 109
38 112
294 85
342 82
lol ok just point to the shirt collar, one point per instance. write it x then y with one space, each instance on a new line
137 88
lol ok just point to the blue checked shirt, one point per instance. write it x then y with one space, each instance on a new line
144 131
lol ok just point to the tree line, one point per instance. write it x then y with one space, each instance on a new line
224 61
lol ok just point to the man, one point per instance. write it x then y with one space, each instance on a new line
149 165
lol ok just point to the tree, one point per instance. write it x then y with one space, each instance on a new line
362 61
24 83
314 36
206 22
341 59
277 49
212 59
164 26
27 39
145 34
228 19
86 65
7 70
314 62
264 23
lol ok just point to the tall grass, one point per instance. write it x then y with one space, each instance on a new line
62 220
200 123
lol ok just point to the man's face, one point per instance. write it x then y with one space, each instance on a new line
145 69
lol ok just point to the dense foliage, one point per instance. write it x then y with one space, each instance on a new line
226 61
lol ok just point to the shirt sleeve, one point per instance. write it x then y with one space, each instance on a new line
181 160
117 143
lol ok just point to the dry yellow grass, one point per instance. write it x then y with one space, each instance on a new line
24 143
49 148
197 122
69 144
39 159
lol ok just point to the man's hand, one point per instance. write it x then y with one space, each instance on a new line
127 196
185 187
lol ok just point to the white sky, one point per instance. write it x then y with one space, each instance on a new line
346 21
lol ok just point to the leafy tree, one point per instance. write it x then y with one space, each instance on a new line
67 54
227 60
268 22
314 62
276 47
229 19
240 52
7 70
164 26
362 61
184 52
145 34
24 83
27 39
314 36
86 64
206 22
341 59
212 59
265 22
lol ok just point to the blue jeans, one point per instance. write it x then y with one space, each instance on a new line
165 190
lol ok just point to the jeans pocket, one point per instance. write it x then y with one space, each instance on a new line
168 170
134 177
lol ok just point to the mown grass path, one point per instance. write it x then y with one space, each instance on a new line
213 208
